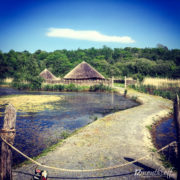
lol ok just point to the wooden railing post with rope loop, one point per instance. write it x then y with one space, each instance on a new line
177 125
8 133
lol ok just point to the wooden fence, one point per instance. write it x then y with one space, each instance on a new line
85 82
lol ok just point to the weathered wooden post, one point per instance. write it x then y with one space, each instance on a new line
125 82
112 82
177 125
7 133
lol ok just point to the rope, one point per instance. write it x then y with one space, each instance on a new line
86 170
7 130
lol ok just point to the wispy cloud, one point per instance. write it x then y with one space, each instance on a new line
87 35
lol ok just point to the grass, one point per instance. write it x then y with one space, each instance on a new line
149 127
44 153
65 134
166 163
65 88
169 93
100 87
161 82
119 85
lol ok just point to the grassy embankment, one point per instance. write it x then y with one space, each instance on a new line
167 88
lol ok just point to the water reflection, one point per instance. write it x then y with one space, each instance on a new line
39 130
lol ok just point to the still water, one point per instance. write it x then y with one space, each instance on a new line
165 133
40 130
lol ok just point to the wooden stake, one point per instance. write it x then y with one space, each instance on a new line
177 125
125 82
8 134
112 82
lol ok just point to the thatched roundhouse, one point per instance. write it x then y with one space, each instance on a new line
47 75
84 71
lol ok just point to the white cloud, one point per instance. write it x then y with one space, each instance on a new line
87 35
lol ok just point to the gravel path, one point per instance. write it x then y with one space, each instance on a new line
114 139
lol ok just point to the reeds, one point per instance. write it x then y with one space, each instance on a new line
162 82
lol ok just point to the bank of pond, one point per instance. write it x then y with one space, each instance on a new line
43 118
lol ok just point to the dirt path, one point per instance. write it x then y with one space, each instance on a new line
115 139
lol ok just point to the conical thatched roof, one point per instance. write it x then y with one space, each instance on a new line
84 71
46 74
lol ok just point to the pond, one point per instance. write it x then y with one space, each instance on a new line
35 131
165 133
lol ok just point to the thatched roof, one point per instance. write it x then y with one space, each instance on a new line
46 74
84 71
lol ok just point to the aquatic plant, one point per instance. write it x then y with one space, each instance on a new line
31 103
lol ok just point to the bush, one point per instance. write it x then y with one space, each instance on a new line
71 87
65 134
100 87
138 76
169 93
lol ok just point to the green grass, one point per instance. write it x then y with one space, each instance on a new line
100 87
119 85
149 127
169 93
64 135
166 163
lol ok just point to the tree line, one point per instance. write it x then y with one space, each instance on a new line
117 62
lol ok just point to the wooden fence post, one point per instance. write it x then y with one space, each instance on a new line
7 133
177 125
112 82
125 82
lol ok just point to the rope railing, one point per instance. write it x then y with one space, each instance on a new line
86 170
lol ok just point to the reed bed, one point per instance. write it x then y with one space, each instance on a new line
6 81
162 82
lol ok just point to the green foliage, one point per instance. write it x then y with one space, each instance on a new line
65 134
169 93
100 87
117 62
149 127
71 87
139 77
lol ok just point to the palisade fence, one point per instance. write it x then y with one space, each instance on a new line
107 82
91 82
128 81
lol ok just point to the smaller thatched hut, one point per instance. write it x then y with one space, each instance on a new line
47 75
84 71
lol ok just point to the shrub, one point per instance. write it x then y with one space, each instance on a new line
65 134
71 87
100 87
169 93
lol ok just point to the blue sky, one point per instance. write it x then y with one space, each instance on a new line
71 24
